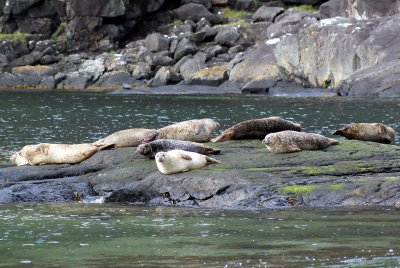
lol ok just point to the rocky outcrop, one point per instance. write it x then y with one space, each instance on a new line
180 42
351 173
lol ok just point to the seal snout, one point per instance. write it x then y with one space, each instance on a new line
160 157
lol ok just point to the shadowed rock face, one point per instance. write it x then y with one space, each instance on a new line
351 173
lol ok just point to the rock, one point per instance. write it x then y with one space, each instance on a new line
95 67
220 2
228 37
29 59
196 12
356 45
202 23
185 47
156 42
260 63
75 81
347 174
254 32
377 81
114 80
46 9
210 76
206 3
265 13
96 8
8 80
17 7
191 66
32 75
362 9
259 86
214 51
4 63
161 78
141 71
161 59
43 26
206 34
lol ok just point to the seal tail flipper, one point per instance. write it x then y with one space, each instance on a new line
338 132
333 142
211 160
103 146
224 136
211 150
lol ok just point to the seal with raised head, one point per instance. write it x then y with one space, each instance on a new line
46 153
176 161
292 141
125 138
375 132
256 129
197 130
152 148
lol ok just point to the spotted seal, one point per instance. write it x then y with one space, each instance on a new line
46 153
176 161
292 141
152 148
375 132
125 138
256 129
196 130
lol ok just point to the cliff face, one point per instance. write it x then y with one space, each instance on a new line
101 45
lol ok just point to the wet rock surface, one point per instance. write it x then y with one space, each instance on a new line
353 173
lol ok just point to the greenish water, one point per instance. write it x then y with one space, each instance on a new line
89 235
30 118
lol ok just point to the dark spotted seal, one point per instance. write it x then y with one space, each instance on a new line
152 148
375 132
293 141
256 129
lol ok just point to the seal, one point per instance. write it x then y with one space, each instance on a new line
152 148
256 129
196 130
375 132
292 141
46 153
176 161
125 138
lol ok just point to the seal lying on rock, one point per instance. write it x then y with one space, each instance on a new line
125 138
376 132
197 130
177 161
152 148
293 141
46 153
256 129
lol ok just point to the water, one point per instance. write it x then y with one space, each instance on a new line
30 118
100 235
82 235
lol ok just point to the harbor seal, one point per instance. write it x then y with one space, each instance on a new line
256 129
176 161
375 132
196 130
152 148
125 138
46 153
292 141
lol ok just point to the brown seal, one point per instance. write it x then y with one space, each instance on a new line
375 132
176 161
152 148
125 138
256 129
293 141
46 153
197 130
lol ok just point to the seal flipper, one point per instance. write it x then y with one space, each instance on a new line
186 157
333 142
211 160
